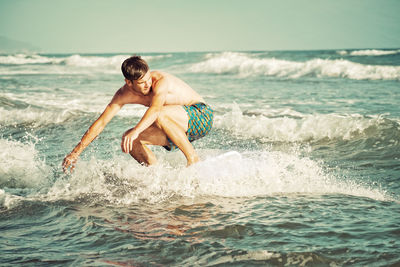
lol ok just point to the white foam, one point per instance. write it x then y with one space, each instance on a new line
59 70
247 65
20 165
32 116
45 108
73 60
42 108
94 61
304 127
97 61
64 99
342 52
374 52
74 64
121 181
20 59
7 200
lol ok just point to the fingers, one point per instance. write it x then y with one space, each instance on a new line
127 144
126 140
124 144
65 165
68 163
130 144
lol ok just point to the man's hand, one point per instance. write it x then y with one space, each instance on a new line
69 161
127 140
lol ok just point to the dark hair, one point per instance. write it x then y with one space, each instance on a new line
134 68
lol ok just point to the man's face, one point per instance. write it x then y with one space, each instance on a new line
142 85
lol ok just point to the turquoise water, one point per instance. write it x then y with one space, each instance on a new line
302 166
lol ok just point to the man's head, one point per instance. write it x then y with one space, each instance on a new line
137 74
134 68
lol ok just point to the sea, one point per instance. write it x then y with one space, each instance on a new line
301 168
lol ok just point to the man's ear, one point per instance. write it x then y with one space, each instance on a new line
128 82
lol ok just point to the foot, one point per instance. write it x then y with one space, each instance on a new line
193 159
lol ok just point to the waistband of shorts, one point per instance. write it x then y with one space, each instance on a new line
200 104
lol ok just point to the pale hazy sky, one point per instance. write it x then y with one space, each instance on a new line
200 25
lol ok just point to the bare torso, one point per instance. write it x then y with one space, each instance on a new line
177 92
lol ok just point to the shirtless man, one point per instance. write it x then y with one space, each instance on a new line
176 116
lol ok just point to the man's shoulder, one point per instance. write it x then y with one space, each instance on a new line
161 82
157 73
121 95
161 76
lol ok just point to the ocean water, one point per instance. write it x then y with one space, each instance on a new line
302 167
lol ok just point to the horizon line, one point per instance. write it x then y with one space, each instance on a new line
192 51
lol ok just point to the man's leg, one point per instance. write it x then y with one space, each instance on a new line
151 136
173 121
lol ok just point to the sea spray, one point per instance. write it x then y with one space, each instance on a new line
20 165
248 174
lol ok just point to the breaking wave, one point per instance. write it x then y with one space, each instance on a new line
73 60
119 181
23 64
369 52
247 65
302 127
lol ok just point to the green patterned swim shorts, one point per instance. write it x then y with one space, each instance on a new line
200 123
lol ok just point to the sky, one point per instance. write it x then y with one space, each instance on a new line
112 26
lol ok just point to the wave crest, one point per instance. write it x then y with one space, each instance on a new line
245 65
297 129
369 52
73 60
35 117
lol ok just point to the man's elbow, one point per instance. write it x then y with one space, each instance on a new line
156 111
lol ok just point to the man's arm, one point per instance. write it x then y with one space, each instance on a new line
94 130
149 117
